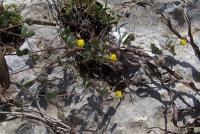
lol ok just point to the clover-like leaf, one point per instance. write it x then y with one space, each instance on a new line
26 33
22 52
155 49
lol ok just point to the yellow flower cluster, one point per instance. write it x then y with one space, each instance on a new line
80 43
183 42
113 57
118 94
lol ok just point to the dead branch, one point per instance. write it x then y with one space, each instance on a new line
30 21
175 32
171 27
169 24
52 123
194 46
4 73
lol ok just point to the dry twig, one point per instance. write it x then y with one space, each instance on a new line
4 73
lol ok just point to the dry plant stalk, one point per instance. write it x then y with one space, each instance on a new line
4 73
194 46
175 32
55 125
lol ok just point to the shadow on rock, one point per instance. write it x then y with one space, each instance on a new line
173 62
91 117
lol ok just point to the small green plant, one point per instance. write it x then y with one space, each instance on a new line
12 32
68 37
10 16
86 18
92 50
85 32
84 21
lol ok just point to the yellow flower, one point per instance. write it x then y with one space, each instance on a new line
118 94
113 57
80 43
183 42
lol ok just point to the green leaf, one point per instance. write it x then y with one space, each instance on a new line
155 49
103 92
94 42
51 95
22 52
15 19
28 84
84 82
87 83
68 37
111 20
4 19
130 38
60 62
35 57
87 54
26 33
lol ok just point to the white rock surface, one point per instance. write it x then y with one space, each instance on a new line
83 111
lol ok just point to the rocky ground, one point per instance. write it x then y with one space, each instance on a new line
144 111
